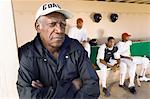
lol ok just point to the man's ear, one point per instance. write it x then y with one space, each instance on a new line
37 27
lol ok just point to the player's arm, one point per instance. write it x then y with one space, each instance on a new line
118 62
130 58
105 63
117 57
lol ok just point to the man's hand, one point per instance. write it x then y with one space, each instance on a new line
84 43
37 84
115 67
77 83
109 65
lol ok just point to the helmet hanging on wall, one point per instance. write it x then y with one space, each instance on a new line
113 17
96 17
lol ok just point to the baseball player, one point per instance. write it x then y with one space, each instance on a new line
107 58
80 33
130 62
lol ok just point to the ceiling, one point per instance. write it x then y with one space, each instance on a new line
127 1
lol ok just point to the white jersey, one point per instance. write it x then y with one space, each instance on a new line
101 52
124 48
88 49
79 34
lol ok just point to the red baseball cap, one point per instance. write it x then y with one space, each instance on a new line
125 35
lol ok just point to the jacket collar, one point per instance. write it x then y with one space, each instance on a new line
38 47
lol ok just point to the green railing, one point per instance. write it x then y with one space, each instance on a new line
140 49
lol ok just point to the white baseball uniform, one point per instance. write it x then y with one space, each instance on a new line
102 54
124 50
87 47
80 35
142 61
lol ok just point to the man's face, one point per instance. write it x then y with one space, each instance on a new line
79 24
52 29
125 38
111 43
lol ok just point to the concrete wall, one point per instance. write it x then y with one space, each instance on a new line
133 18
8 52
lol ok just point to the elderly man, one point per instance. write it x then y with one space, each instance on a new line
54 66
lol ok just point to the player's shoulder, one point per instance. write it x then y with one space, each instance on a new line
120 42
74 28
115 48
129 42
103 46
83 28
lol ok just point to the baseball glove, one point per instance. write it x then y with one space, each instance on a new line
115 67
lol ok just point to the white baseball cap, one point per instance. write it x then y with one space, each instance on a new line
47 8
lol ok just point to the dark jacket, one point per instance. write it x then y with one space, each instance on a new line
36 63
